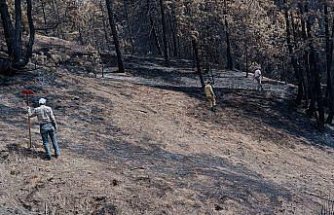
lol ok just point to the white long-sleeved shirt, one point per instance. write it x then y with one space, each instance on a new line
257 74
44 115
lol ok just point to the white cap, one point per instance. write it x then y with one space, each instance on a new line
42 101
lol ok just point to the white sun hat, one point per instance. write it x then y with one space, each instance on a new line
42 101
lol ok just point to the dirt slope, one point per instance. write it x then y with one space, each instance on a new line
128 148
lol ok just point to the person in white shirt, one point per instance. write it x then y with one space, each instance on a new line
48 126
258 77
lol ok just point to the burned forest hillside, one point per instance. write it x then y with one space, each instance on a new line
128 85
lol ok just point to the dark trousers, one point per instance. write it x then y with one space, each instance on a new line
259 84
47 130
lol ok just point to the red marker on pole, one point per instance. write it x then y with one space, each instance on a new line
28 93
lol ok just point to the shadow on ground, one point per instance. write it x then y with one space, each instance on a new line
223 179
261 109
25 152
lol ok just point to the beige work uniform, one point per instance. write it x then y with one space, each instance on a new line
210 95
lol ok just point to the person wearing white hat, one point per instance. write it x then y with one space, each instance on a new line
48 126
258 77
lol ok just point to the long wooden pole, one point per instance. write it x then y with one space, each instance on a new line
29 124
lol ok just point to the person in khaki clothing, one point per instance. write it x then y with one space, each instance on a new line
210 95
48 126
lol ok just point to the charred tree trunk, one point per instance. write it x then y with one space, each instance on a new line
153 31
308 83
228 42
302 91
317 88
246 58
174 29
316 94
329 61
128 25
155 36
44 17
8 27
80 38
197 59
17 36
115 35
31 32
164 32
105 28
293 58
55 8
175 46
13 35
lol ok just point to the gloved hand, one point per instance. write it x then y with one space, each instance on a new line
29 110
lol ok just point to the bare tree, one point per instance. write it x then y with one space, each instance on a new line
13 34
115 35
164 31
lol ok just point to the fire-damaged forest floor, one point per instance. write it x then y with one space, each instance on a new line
132 147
